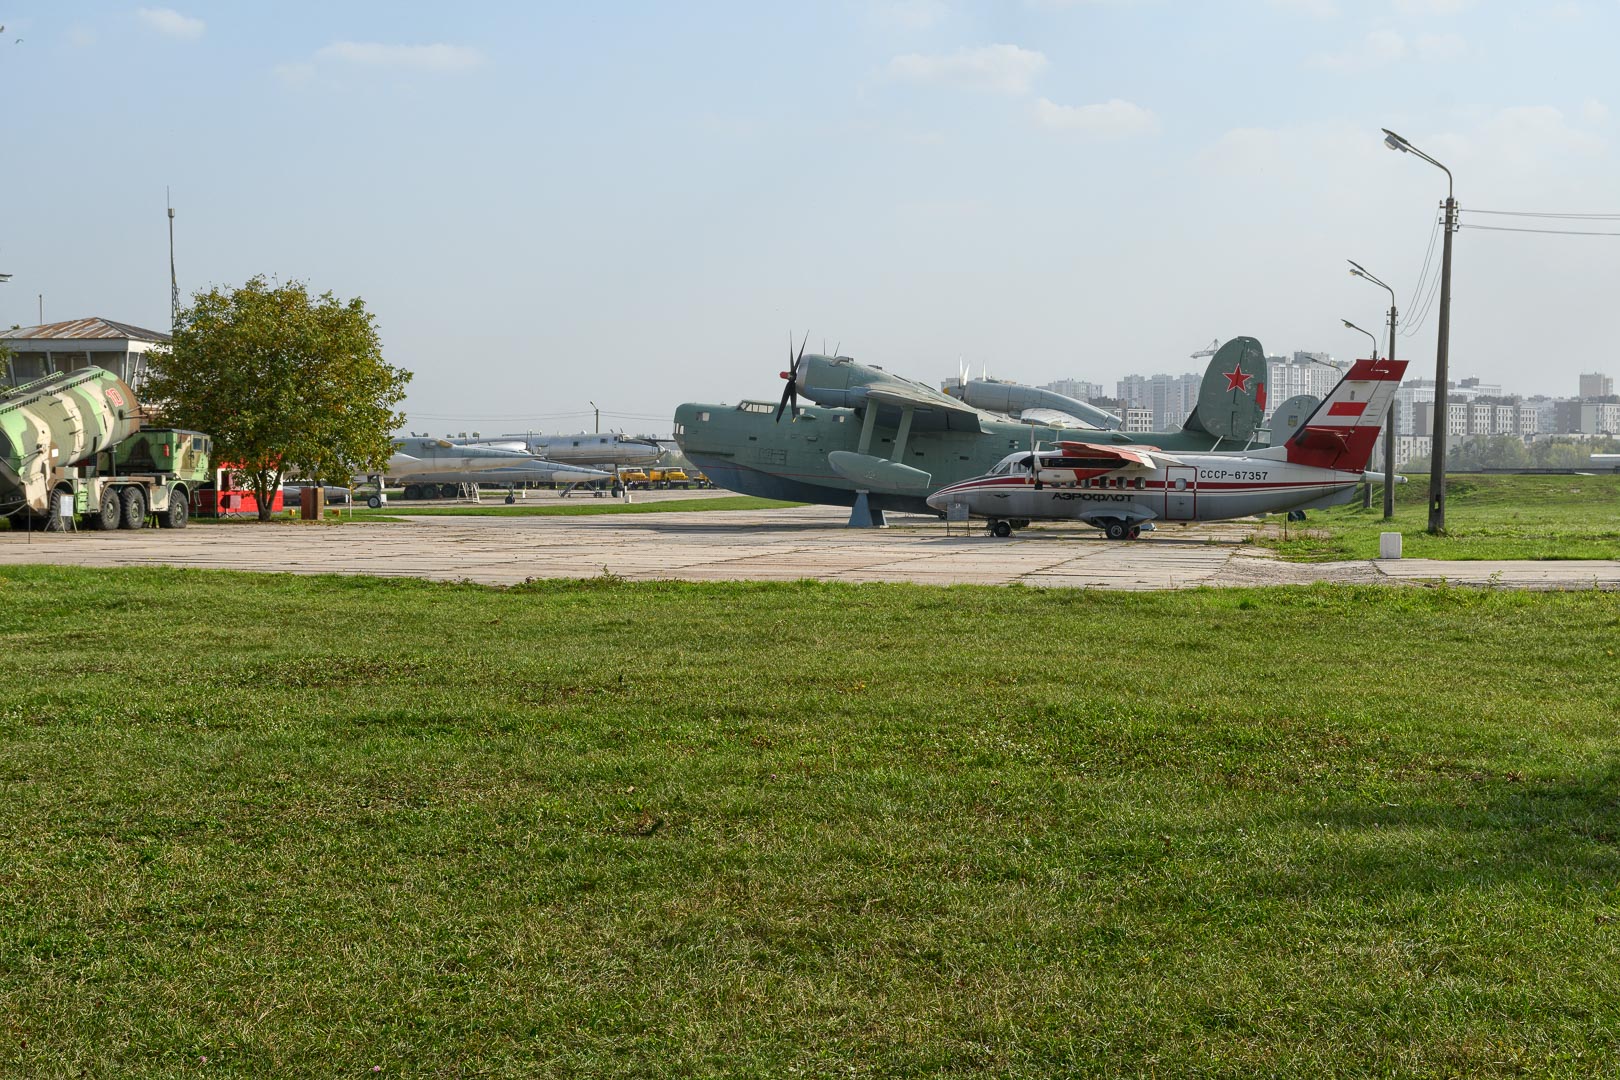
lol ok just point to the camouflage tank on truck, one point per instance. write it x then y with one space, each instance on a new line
76 439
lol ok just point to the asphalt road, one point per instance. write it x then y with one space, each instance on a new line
772 545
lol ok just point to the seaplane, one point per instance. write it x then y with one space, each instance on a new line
1123 490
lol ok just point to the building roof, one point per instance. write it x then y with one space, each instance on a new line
91 329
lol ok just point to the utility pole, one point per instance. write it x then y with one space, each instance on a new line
1442 412
598 417
1442 357
174 284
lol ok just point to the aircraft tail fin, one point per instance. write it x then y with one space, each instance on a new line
1232 397
1341 432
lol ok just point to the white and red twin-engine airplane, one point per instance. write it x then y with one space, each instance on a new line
1118 488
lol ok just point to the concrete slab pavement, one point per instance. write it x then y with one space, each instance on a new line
771 545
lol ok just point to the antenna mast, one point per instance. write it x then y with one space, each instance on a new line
174 283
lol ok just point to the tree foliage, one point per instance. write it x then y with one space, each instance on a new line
1512 452
287 384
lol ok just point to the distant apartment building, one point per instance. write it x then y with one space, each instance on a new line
1599 418
1596 385
1167 398
1311 373
1138 419
1078 389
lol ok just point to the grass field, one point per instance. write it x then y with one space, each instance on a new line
1487 517
318 826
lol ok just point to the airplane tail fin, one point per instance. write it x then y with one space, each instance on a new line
1232 398
1341 432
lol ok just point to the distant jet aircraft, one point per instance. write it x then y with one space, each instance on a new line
1120 488
430 460
508 476
587 448
882 442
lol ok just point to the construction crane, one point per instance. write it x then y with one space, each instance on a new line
1209 350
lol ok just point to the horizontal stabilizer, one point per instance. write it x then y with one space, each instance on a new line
879 474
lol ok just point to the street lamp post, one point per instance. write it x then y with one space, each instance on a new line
598 417
1442 415
1389 420
1366 488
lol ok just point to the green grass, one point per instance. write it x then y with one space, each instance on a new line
308 826
1487 517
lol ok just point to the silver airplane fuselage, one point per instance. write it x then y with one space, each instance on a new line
427 457
1198 487
587 448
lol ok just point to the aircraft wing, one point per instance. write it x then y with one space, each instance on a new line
1142 457
934 411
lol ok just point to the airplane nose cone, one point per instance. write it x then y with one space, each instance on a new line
939 500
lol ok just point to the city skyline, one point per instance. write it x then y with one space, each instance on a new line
546 205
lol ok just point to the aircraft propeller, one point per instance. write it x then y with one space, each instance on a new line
790 392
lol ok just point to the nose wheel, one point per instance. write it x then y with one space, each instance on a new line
1001 527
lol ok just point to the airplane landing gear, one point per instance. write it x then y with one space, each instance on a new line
1116 529
1001 527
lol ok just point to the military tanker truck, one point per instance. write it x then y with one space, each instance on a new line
76 438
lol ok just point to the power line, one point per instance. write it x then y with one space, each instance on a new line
1545 214
1550 232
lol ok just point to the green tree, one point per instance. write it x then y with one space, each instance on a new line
287 384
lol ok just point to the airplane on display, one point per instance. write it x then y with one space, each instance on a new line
511 476
875 441
587 448
1119 489
429 460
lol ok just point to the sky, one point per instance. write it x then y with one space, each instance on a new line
634 204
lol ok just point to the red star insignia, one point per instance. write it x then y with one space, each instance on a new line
1237 379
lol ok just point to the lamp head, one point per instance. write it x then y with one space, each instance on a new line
1394 141
1349 325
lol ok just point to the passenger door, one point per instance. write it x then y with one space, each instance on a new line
1180 493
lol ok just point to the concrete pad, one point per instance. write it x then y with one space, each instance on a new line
768 545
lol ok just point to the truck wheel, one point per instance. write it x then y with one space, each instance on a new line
110 512
178 513
134 508
53 510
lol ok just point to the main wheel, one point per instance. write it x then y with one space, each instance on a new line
448 491
134 500
178 513
109 513
1116 529
1001 528
1136 532
511 497
374 501
53 509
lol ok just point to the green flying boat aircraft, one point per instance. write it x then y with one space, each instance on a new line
875 441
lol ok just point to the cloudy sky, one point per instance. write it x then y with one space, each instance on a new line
547 204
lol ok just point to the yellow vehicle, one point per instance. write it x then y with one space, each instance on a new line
632 477
667 478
